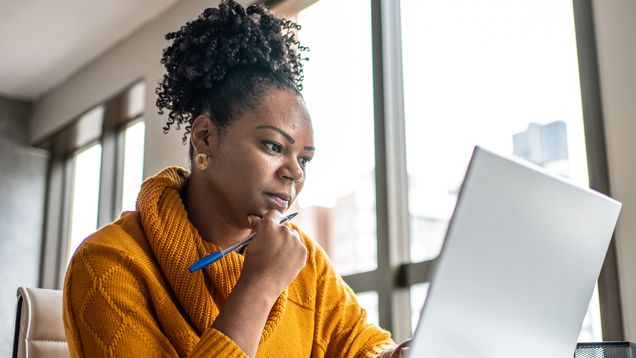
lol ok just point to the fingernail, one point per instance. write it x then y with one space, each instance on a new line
250 220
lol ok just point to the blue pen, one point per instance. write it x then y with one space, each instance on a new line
216 256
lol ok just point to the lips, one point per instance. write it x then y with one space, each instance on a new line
281 200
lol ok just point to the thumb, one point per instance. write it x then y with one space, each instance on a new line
254 220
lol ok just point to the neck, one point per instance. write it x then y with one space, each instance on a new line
211 218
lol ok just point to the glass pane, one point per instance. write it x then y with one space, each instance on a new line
337 205
592 331
495 73
84 197
369 301
133 165
418 297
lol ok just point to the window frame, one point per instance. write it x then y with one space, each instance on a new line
596 149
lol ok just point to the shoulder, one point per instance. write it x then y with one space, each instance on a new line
113 275
124 237
120 248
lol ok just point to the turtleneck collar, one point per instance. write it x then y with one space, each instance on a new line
177 244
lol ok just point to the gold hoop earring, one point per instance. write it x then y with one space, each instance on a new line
201 160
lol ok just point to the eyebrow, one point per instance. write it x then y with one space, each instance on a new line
287 136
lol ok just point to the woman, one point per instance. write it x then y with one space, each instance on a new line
233 79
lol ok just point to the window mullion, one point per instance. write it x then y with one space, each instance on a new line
364 281
397 177
108 194
391 179
107 177
118 184
53 222
65 224
384 279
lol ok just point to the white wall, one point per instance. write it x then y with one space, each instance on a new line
615 22
22 198
134 58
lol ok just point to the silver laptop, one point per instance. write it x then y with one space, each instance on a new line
518 267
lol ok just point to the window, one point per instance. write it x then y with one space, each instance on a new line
499 74
418 296
84 196
445 76
133 165
96 171
337 205
369 301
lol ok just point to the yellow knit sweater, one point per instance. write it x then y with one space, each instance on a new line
128 292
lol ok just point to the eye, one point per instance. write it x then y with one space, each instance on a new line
274 147
305 161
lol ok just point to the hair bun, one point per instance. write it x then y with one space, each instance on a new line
219 40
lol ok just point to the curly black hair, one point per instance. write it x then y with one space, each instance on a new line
220 63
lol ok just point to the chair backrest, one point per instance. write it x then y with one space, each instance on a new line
39 328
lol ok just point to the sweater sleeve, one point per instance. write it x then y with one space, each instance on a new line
108 312
342 329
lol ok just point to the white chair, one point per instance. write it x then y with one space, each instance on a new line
39 328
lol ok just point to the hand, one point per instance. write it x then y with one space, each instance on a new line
397 351
275 255
274 258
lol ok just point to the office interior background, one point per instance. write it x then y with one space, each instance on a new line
399 92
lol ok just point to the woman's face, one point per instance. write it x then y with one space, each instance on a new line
258 163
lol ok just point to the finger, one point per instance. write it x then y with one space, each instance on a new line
294 233
392 352
404 344
274 215
401 349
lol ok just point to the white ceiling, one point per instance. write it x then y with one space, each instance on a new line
43 42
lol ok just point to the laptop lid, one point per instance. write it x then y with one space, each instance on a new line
518 266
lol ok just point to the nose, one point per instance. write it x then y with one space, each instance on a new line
291 170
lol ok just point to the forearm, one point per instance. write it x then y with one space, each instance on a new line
244 315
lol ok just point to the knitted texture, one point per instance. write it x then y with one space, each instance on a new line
170 235
128 292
